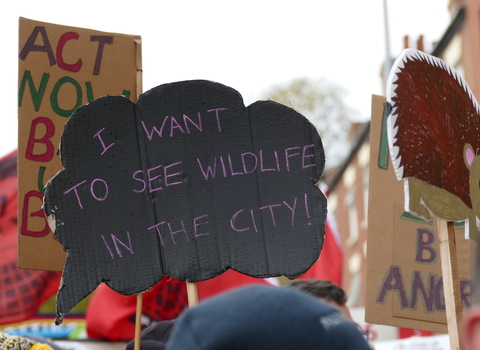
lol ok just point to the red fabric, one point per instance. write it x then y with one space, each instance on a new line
112 316
21 291
407 333
226 281
330 264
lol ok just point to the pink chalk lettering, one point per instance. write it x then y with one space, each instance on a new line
270 207
74 188
308 156
105 148
152 176
262 168
157 228
253 220
184 127
245 166
234 218
249 162
106 190
171 175
232 173
292 209
306 205
287 156
154 129
210 171
224 169
117 241
197 224
108 247
218 116
174 125
172 233
150 179
276 159
136 178
198 126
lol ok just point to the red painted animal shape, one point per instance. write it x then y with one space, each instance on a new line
434 139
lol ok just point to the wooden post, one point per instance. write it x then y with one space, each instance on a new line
138 322
192 294
451 280
139 83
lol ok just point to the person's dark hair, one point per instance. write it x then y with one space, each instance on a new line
321 289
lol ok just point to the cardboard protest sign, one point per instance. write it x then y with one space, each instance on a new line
187 183
434 139
404 274
60 69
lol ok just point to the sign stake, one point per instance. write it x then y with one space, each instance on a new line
192 294
451 280
138 322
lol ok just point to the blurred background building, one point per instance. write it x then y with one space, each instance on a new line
348 183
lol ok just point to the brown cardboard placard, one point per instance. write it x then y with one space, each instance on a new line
60 69
403 252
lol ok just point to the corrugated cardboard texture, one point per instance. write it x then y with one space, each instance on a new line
187 183
60 68
404 285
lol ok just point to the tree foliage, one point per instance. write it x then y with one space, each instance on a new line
323 104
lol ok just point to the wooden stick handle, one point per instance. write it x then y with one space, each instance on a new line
138 322
451 281
192 294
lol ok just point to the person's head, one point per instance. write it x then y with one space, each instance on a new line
326 291
262 317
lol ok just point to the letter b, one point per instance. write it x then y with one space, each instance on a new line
425 253
45 139
39 215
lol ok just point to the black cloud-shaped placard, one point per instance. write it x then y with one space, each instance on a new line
187 183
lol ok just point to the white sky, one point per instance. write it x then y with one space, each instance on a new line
248 45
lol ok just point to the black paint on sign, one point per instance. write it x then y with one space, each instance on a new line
187 183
